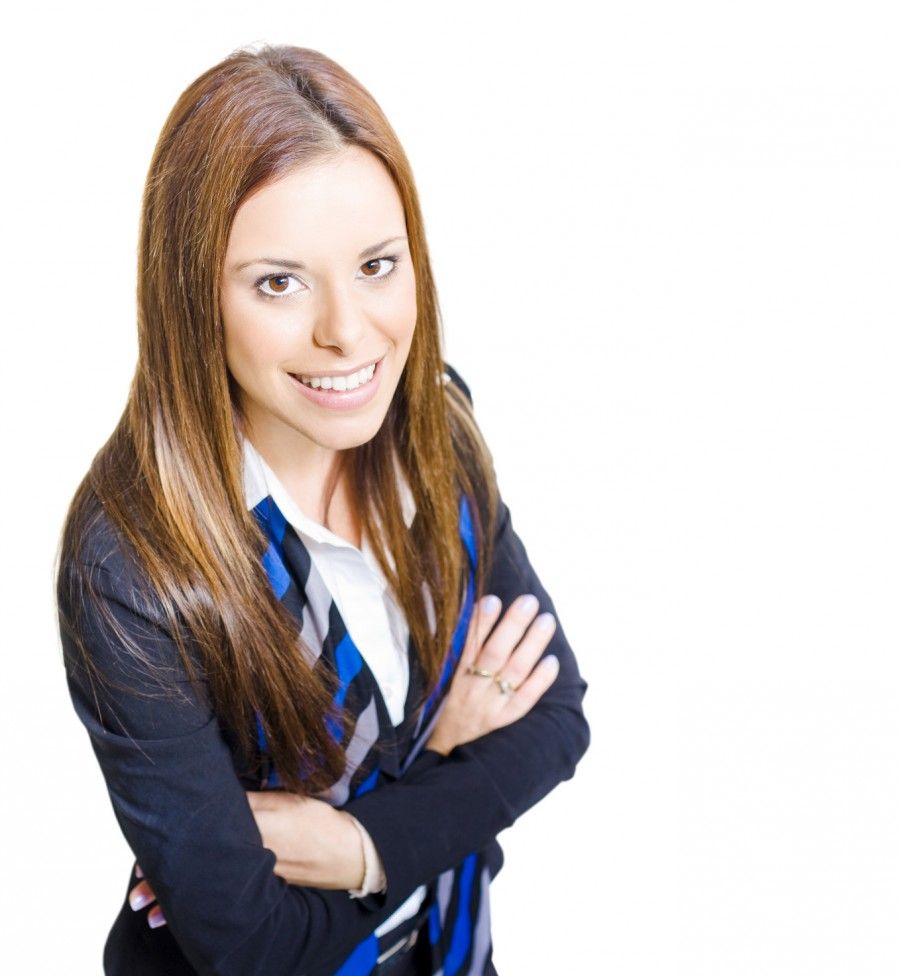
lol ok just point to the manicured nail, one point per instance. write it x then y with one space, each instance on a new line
155 919
529 603
551 662
490 603
138 900
546 621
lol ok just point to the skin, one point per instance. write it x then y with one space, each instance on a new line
335 314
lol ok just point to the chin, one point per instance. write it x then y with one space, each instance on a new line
352 436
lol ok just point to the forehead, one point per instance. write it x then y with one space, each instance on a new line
335 204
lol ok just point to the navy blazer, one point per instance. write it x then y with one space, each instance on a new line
176 780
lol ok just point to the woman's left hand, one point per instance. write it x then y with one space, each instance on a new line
315 845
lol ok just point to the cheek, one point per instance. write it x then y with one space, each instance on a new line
404 317
251 344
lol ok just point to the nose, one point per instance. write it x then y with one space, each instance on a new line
340 321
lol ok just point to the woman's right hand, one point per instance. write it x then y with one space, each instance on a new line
474 704
142 895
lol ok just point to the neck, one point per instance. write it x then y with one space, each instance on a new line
307 480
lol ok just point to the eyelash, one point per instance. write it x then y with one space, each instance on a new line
393 258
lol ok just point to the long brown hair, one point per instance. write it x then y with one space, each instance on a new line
169 478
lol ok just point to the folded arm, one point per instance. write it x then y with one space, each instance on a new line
184 813
447 806
183 810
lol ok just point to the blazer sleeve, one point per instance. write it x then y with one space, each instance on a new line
181 806
447 806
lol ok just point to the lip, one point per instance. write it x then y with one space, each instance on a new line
341 399
338 372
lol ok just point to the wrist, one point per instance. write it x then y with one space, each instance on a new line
373 879
435 745
357 871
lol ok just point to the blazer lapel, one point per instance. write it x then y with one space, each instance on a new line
376 747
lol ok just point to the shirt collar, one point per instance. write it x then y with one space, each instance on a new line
260 480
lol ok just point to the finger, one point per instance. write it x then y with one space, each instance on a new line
484 616
530 649
507 634
523 700
155 917
140 896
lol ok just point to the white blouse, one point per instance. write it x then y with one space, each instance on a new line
372 616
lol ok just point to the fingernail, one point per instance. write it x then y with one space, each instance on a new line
156 920
546 621
529 603
137 871
490 603
139 900
551 661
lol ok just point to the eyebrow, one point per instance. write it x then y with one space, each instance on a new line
297 266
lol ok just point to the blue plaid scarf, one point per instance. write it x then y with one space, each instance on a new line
459 915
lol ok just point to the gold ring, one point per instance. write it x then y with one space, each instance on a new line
471 669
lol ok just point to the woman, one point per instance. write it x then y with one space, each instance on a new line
311 720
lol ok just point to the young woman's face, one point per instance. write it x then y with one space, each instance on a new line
318 285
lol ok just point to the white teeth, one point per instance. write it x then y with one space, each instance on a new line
350 382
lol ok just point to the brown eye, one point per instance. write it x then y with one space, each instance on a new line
379 267
274 286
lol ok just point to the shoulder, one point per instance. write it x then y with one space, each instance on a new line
92 539
99 565
452 376
123 663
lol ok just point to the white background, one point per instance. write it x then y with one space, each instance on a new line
666 244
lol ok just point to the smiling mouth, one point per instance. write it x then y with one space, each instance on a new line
351 381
